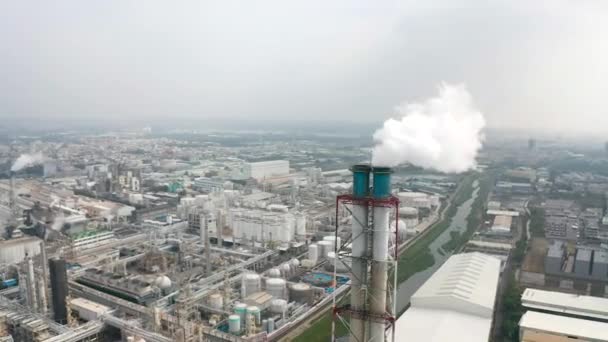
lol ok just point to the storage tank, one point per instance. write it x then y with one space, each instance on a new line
241 310
300 292
274 273
255 312
270 325
332 239
276 287
278 306
401 234
234 324
313 253
295 263
251 283
265 325
324 248
342 265
300 224
216 301
286 269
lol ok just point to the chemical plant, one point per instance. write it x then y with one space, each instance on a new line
217 260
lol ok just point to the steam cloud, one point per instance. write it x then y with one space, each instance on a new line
442 133
26 160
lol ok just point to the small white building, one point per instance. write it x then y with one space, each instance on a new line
540 327
266 169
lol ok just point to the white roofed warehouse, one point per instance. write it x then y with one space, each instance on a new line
455 304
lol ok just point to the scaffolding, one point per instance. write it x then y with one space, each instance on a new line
342 310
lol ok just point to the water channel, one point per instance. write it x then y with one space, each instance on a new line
458 224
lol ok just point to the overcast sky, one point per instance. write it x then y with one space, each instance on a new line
538 64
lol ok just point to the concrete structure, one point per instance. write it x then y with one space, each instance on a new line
600 265
456 303
266 169
541 327
582 265
59 289
88 310
555 257
92 239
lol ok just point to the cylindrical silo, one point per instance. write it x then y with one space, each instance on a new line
300 224
251 283
276 287
255 312
234 324
270 325
379 268
324 248
216 301
300 292
313 253
360 237
332 239
241 310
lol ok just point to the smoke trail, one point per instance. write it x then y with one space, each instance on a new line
26 160
442 133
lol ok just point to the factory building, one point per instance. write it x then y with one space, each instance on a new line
92 239
583 262
540 327
418 200
502 225
555 257
266 169
14 251
456 303
207 185
577 306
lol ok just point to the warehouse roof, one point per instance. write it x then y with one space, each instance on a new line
503 213
457 301
566 303
565 326
465 283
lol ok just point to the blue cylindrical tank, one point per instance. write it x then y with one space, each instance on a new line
9 282
360 180
382 182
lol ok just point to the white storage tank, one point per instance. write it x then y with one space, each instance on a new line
295 263
342 265
216 301
278 306
234 324
332 239
300 224
241 310
313 253
255 312
286 269
274 273
251 283
324 248
301 293
276 287
270 325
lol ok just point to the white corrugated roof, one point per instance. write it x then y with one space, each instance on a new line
565 326
559 302
465 283
428 325
455 304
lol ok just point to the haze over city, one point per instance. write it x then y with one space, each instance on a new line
536 66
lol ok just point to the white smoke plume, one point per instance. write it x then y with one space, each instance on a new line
26 160
442 133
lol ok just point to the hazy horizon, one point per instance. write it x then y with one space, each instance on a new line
530 67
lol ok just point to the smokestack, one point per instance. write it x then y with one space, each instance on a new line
59 287
31 285
204 225
380 238
45 276
360 244
12 201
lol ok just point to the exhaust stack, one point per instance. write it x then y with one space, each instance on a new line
360 249
380 238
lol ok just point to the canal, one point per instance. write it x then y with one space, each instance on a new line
457 224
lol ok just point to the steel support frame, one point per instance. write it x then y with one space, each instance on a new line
342 311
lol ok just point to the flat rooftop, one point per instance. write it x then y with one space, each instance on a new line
565 326
566 303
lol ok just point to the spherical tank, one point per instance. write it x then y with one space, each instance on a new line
276 287
163 282
295 263
274 273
